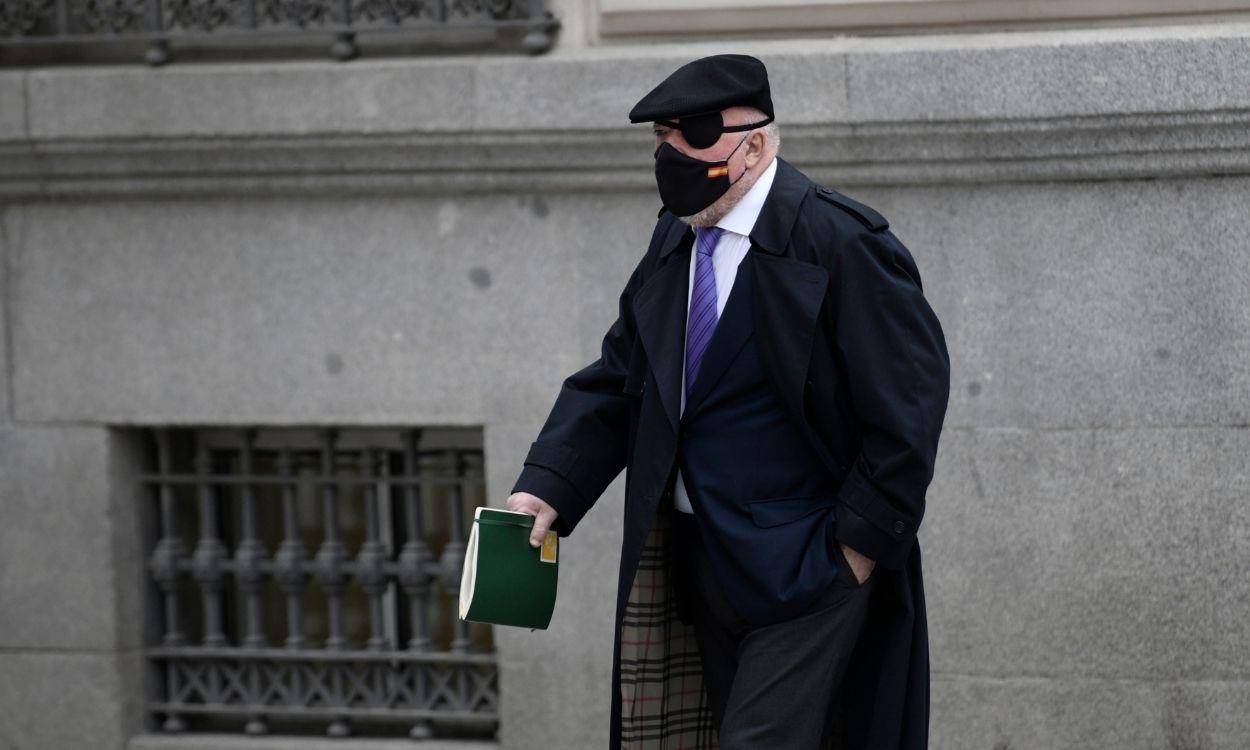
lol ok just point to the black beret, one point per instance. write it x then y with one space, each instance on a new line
708 84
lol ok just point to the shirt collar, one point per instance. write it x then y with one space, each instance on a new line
741 218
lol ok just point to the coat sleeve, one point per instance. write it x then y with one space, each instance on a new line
582 446
892 352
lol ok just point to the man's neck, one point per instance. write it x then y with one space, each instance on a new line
740 217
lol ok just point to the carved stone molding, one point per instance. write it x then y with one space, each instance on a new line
978 108
1114 147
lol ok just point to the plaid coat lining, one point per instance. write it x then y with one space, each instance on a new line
664 703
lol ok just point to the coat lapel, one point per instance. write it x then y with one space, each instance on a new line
660 314
788 294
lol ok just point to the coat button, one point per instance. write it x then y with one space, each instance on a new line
899 527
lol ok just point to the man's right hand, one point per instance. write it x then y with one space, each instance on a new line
544 515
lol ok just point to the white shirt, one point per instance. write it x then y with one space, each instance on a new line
731 248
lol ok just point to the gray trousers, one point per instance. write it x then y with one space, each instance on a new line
771 686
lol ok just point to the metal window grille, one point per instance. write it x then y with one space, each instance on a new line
306 580
203 23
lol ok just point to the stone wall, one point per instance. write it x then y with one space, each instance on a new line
442 241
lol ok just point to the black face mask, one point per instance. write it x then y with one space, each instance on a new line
688 185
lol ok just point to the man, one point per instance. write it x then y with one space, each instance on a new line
775 383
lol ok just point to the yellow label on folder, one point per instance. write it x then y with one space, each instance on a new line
547 553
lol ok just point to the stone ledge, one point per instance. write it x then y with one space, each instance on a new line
964 108
841 80
1091 148
636 19
990 108
295 742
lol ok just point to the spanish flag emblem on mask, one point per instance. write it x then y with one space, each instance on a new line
718 171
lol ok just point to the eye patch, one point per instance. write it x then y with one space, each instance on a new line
703 130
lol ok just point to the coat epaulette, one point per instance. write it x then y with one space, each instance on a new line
866 215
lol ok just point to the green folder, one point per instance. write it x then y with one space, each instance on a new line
505 580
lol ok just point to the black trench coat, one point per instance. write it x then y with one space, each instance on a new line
860 363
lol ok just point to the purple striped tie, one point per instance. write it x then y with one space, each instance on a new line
701 320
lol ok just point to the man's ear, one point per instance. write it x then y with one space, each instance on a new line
759 153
